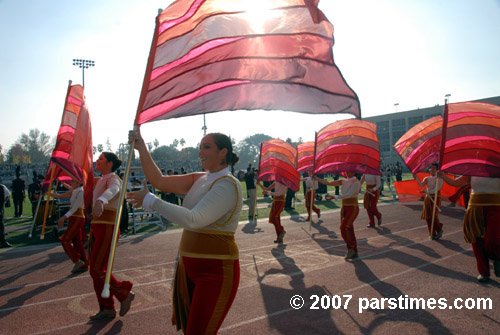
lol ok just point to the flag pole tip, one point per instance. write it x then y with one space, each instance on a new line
42 237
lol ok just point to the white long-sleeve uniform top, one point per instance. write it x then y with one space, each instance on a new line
431 184
484 185
371 179
310 184
206 206
107 190
350 188
279 189
76 201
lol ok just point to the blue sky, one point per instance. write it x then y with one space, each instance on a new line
389 51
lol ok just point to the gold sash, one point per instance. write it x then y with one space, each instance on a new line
208 244
79 213
350 202
108 216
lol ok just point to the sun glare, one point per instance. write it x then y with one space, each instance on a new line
258 13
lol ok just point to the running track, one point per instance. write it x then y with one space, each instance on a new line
38 295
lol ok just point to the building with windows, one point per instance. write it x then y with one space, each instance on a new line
390 127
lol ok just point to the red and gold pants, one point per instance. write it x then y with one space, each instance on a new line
308 203
101 236
348 213
370 204
427 214
275 213
206 281
72 239
482 228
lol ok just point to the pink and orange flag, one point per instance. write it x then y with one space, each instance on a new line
305 157
277 163
419 146
348 146
471 145
74 152
217 55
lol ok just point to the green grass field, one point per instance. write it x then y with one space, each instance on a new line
19 228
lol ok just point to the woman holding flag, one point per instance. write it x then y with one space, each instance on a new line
71 240
104 209
277 207
482 221
350 188
430 194
372 193
208 270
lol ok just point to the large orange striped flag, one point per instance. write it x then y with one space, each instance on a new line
472 145
348 146
305 157
217 55
277 163
419 146
74 152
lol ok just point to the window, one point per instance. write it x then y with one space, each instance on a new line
414 120
398 124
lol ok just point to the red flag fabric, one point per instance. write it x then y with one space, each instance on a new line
305 156
74 152
472 144
348 146
277 163
59 175
217 55
419 146
410 190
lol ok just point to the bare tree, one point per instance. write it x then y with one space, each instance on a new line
36 145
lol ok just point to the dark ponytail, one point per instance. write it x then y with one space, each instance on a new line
111 157
224 142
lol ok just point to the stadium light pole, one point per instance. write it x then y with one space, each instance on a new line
396 104
447 97
204 128
83 64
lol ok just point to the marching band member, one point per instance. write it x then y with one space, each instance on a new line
277 207
430 195
370 200
349 212
311 187
482 221
208 271
71 240
105 205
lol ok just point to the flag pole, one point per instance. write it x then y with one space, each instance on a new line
145 86
35 215
40 199
255 201
441 156
48 202
105 291
312 180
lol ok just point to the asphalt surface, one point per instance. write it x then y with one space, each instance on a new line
382 292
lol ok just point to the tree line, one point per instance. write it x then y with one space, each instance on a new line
36 147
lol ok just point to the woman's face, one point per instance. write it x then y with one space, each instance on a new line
350 174
432 170
102 165
212 159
